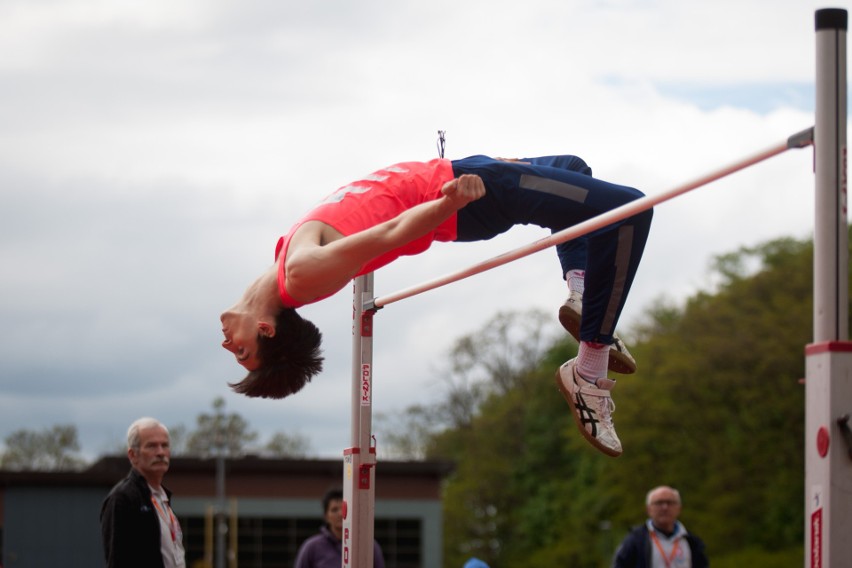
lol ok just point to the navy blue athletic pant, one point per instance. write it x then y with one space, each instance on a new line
556 192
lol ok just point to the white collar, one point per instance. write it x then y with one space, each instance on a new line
679 530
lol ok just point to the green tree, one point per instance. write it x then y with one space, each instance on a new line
282 445
481 364
218 431
493 400
51 449
405 435
177 439
231 433
716 409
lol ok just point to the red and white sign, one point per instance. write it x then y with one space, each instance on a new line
366 385
816 539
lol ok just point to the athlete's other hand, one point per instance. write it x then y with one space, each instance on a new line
464 189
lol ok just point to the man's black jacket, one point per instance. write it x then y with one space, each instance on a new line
130 527
635 550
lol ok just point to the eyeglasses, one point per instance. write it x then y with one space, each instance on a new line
667 502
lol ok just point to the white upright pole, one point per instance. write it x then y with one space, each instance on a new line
831 299
359 459
828 383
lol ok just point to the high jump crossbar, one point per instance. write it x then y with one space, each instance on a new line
798 140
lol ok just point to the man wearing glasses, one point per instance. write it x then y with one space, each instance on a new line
663 541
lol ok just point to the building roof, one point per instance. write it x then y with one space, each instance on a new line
251 476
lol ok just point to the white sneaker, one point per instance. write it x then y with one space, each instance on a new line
620 359
592 407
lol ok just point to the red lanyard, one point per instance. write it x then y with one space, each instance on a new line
170 518
668 560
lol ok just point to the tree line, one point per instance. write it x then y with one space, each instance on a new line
716 409
57 448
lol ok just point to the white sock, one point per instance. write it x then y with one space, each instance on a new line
576 280
592 360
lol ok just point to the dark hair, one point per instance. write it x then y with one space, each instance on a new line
333 494
288 359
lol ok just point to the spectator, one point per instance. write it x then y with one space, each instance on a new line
138 527
324 550
663 541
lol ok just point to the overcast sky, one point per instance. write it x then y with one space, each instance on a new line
152 152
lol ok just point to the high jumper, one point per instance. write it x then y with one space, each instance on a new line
401 210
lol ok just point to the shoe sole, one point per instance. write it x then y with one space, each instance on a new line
569 397
618 361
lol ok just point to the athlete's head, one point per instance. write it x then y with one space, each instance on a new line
287 357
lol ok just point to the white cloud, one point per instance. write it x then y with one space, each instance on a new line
152 152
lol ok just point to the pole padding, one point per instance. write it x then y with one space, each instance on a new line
831 19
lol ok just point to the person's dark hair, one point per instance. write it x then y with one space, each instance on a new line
333 494
288 359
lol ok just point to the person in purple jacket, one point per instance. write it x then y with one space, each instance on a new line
324 550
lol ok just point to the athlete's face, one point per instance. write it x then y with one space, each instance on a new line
241 333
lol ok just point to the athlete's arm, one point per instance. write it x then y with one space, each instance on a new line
315 268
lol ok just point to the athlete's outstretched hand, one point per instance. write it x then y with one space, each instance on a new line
464 189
